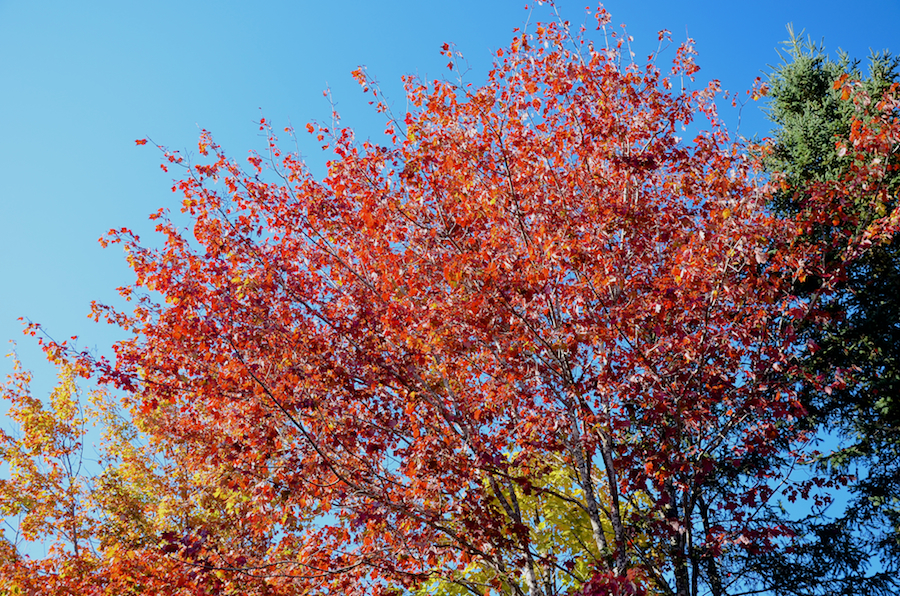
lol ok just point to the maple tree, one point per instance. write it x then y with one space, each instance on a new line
536 342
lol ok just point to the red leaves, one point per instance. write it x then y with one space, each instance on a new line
605 584
873 139
140 142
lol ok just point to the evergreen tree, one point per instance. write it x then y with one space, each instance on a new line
857 349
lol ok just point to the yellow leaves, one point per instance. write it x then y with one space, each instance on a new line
63 400
245 283
726 213
62 498
45 431
164 508
555 524
232 499
44 459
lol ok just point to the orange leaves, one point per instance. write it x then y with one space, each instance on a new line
760 89
50 501
843 84
205 143
141 142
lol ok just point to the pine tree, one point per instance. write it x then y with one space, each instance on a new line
857 349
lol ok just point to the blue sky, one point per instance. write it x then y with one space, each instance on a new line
79 81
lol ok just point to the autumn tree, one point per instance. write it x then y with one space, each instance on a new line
44 461
111 517
531 341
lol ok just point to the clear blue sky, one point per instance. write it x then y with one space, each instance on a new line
81 80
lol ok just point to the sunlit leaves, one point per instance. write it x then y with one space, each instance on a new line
538 266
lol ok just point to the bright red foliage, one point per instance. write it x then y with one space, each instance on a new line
538 271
